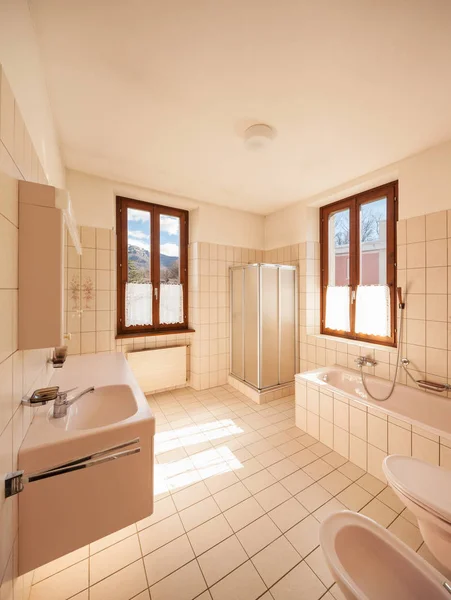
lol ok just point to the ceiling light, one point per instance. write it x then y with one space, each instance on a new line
257 137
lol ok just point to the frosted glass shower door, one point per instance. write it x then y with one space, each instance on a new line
269 327
251 277
237 342
287 324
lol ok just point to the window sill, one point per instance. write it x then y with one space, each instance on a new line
135 334
341 340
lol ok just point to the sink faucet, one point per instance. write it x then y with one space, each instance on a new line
62 403
45 395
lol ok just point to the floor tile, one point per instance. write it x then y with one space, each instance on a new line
258 534
300 584
197 514
221 482
259 481
60 564
318 469
162 509
296 482
231 496
290 447
62 585
303 458
313 497
272 496
185 584
169 558
288 514
327 509
317 562
351 471
379 512
244 513
304 536
371 484
354 497
209 534
406 532
114 558
335 482
270 457
250 467
320 449
242 584
161 533
190 495
222 559
123 585
276 560
334 459
388 497
283 469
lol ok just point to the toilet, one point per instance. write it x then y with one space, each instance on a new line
425 490
370 563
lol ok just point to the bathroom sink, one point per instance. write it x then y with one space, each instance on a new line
104 406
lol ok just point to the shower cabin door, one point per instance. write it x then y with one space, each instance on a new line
269 326
251 279
287 324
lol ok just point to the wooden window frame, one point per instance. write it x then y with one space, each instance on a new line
155 210
390 191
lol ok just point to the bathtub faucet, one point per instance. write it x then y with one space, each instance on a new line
365 361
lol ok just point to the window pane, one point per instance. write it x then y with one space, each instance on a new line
373 243
171 293
339 238
138 289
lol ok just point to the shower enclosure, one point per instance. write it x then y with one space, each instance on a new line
263 324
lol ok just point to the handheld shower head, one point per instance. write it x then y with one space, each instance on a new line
401 304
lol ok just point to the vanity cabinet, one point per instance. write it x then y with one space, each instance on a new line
43 213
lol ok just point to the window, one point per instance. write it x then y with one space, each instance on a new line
358 266
152 267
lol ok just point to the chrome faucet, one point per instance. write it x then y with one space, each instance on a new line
44 395
62 403
365 361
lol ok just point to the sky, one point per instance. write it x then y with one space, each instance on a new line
139 231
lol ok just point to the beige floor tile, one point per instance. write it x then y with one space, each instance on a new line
300 583
191 495
123 585
313 497
242 584
162 509
114 558
318 469
409 516
351 471
142 596
371 484
335 482
231 496
271 457
303 458
249 468
290 447
288 514
276 560
244 513
283 469
63 585
169 558
317 562
407 532
209 534
388 497
161 533
185 584
327 509
258 535
109 540
279 438
308 440
304 536
379 512
259 447
335 460
221 560
320 449
259 481
60 564
272 496
354 497
221 482
296 482
197 514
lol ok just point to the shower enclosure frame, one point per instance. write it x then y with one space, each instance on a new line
259 291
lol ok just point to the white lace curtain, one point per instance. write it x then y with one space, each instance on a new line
372 311
138 304
337 307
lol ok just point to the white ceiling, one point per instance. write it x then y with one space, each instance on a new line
159 93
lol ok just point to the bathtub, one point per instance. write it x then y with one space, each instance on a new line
428 411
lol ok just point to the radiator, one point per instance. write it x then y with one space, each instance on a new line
159 368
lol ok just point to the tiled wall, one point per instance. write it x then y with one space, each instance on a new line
20 371
366 437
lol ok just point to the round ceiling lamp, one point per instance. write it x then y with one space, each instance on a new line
257 137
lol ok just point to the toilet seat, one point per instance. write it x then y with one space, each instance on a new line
426 485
